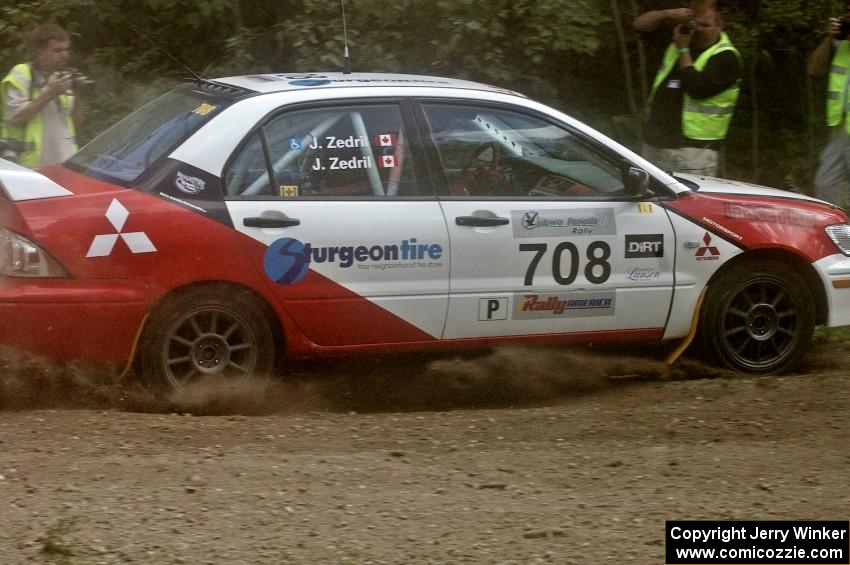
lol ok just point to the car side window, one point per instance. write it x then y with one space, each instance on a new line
348 151
499 153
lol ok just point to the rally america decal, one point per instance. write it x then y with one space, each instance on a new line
287 260
543 305
564 223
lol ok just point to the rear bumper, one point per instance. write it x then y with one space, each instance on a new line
69 319
835 273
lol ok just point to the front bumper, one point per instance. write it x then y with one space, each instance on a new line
835 274
69 319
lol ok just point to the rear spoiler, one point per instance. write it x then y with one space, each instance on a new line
20 183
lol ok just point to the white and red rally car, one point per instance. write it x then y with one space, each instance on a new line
230 223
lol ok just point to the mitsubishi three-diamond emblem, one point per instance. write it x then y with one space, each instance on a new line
137 241
707 252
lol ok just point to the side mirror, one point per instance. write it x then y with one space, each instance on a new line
637 182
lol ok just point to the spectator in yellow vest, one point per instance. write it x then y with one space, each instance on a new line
38 100
695 90
832 181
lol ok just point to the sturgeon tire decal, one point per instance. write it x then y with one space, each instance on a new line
286 261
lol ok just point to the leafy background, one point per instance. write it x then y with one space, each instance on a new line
580 56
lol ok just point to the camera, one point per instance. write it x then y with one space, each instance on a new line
80 80
687 27
10 148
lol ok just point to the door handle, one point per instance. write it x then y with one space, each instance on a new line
481 221
260 222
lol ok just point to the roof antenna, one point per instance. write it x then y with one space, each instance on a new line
174 59
347 68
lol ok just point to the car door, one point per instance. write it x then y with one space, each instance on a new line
350 238
543 237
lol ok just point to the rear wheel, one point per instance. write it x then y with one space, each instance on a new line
758 318
206 333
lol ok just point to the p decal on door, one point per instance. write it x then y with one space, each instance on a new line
490 309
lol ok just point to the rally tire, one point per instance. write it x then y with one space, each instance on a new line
758 318
213 333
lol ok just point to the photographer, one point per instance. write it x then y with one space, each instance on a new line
695 90
38 100
832 180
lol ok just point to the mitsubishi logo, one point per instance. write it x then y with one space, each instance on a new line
137 242
713 254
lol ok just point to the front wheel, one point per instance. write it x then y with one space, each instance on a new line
206 333
758 318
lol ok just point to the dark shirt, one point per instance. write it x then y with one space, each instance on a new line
664 127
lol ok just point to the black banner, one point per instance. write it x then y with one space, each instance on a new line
646 245
757 543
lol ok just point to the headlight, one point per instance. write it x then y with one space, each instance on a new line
20 257
840 236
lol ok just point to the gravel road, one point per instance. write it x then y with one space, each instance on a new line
515 456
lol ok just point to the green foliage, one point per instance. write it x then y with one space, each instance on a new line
564 52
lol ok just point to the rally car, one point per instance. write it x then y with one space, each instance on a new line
234 223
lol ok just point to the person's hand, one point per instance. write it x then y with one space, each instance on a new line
678 15
833 27
681 38
58 84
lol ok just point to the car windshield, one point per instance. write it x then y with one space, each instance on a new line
126 150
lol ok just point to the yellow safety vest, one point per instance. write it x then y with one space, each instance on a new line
21 78
707 119
835 102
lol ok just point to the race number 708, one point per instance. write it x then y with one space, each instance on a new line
598 254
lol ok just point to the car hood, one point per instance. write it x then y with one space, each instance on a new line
714 185
20 183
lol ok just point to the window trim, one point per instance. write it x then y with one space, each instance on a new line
421 171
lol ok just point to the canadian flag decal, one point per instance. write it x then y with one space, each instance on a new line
387 161
385 139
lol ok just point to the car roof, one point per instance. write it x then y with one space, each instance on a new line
279 82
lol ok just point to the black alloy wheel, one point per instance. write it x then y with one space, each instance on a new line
206 334
758 318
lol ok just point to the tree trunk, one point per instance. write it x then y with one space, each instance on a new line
755 169
624 54
641 55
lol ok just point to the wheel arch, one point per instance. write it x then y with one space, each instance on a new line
226 287
794 261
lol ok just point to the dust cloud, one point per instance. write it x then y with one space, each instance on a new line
500 377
